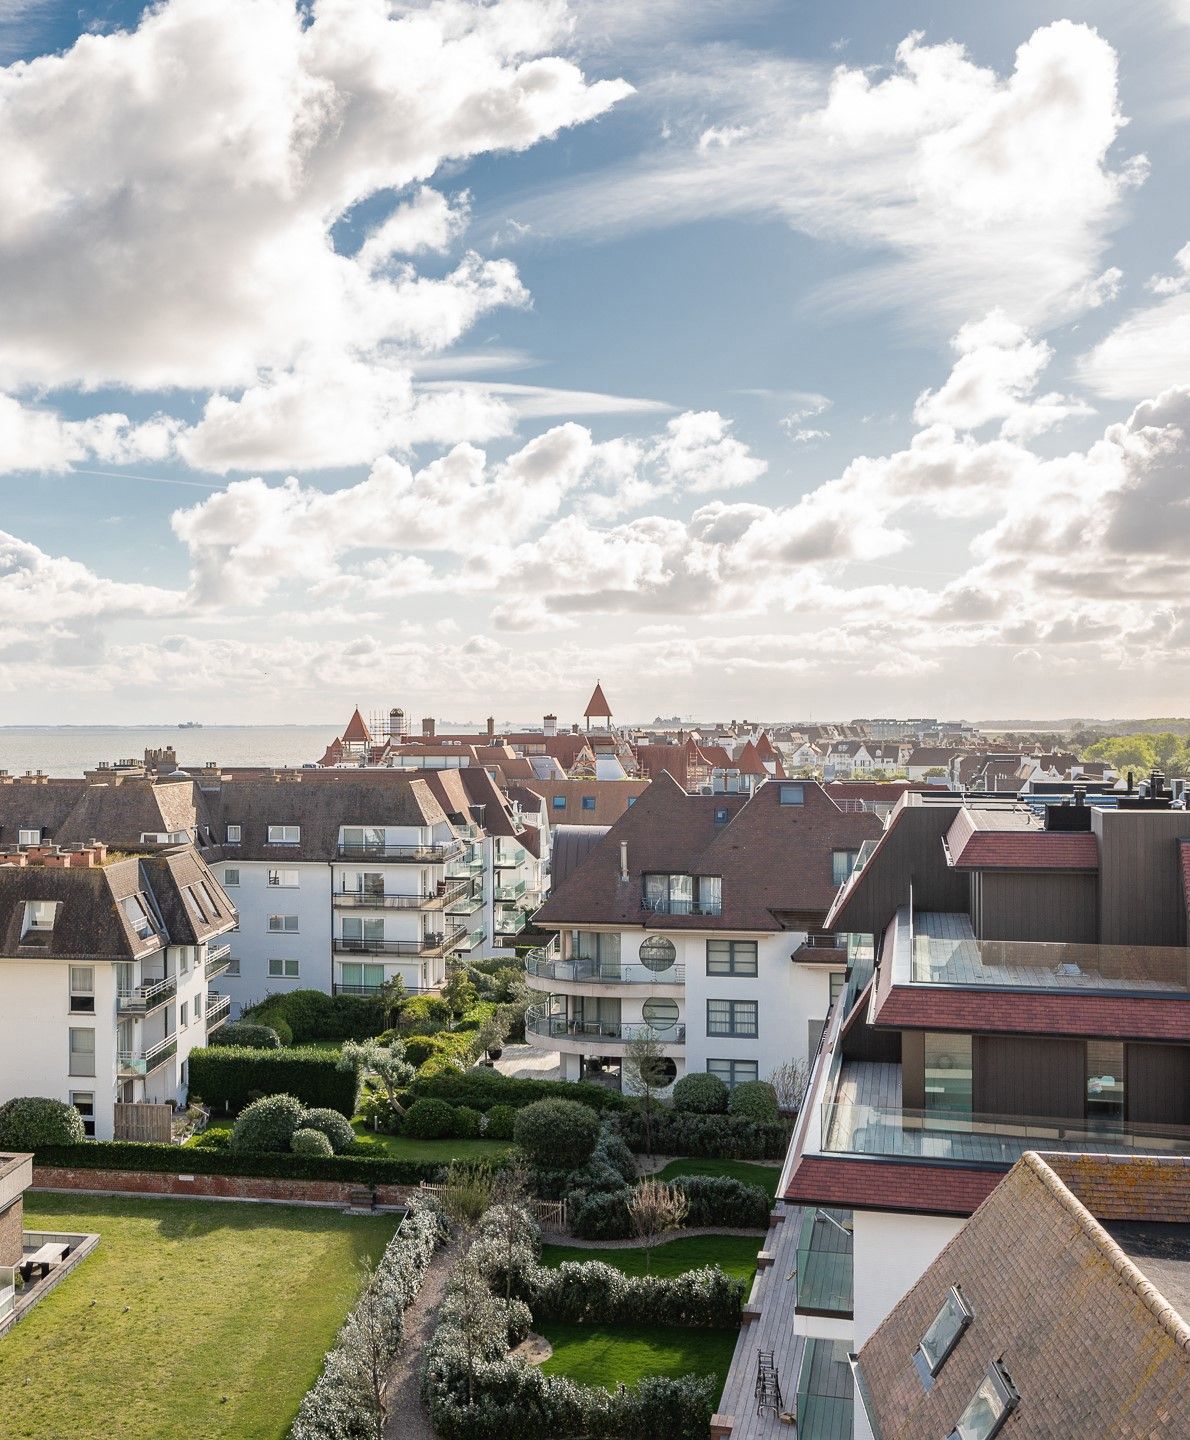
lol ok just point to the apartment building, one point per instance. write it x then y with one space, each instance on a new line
697 919
106 964
1029 989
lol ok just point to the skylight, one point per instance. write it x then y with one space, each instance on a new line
943 1335
39 918
988 1408
138 916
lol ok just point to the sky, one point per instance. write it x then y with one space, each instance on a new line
756 357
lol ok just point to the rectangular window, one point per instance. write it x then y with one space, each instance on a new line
732 1017
731 957
183 1015
792 795
233 834
363 839
722 815
198 1006
138 916
948 1072
28 837
362 978
39 917
1105 1079
82 990
82 1052
284 879
988 1408
559 802
231 878
842 864
283 969
285 834
84 1102
588 802
733 1072
371 883
945 1332
233 965
283 924
602 950
838 979
357 931
710 894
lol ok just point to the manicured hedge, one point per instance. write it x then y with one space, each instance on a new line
190 1160
481 1088
229 1077
32 1120
315 1015
719 1137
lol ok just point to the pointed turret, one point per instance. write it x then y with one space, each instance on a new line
357 732
597 706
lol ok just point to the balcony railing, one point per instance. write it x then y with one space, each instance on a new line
378 900
431 944
668 905
368 991
474 939
413 854
218 1009
559 1027
823 948
510 892
601 972
144 1062
959 1138
470 902
511 922
146 998
509 859
217 961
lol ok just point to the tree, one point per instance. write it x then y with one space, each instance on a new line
557 1134
392 998
644 1072
512 1194
465 1198
653 1209
458 991
384 1063
790 1081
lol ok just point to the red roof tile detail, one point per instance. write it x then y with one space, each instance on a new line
881 1185
1028 850
1031 1012
357 731
597 704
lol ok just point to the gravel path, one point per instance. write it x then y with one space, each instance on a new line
407 1417
527 1062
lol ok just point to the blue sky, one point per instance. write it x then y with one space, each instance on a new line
767 358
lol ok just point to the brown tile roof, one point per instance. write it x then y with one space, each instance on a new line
612 799
597 704
1012 840
889 1185
357 731
1091 1346
1032 1012
774 859
748 761
1128 1187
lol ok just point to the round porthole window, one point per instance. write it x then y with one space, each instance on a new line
657 953
662 1072
660 1014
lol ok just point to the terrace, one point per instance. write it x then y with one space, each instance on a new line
363 898
432 944
546 966
411 854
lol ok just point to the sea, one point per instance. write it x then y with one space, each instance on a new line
68 750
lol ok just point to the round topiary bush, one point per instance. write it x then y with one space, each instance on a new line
501 1119
311 1142
466 1125
557 1134
31 1121
755 1099
429 1120
700 1094
248 1034
268 1124
276 1022
336 1128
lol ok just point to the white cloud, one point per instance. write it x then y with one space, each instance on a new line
40 589
427 222
39 440
1149 350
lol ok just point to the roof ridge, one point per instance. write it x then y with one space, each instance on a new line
1166 1314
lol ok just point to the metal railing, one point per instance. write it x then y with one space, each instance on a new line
666 905
511 892
218 1009
562 1027
147 997
598 972
428 944
508 860
146 1061
338 987
379 900
510 922
383 850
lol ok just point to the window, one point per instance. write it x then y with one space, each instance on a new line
989 1407
183 1015
731 957
603 949
838 979
370 882
137 915
233 965
28 837
363 839
233 834
39 918
285 834
284 924
660 1014
842 864
231 878
792 795
733 1072
588 802
632 799
944 1334
732 1017
362 978
82 1052
657 952
82 990
948 1072
559 802
194 903
283 969
1105 1079
284 879
683 894
209 896
84 1102
359 932
198 1006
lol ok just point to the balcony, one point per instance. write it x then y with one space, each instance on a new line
429 945
510 892
437 899
511 922
146 998
408 854
471 901
217 962
475 939
585 1034
668 905
821 950
825 1264
144 1062
509 859
369 992
218 1009
542 965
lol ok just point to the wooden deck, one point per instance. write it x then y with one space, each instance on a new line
774 1292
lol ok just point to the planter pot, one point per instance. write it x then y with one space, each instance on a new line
495 1053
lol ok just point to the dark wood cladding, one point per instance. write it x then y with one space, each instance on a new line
1035 905
1157 1084
1140 885
910 853
1024 1075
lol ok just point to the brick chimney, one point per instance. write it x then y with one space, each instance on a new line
491 727
428 728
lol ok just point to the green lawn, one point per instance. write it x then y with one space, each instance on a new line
399 1147
191 1319
766 1176
593 1355
735 1254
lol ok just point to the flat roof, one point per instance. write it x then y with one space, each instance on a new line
1161 1252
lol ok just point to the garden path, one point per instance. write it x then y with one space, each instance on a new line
636 1244
527 1062
407 1417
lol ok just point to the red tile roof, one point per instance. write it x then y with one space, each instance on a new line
597 704
1028 850
982 1009
357 732
889 1185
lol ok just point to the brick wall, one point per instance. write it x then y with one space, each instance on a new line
10 1234
220 1187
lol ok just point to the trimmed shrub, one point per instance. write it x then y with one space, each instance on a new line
719 1137
420 1049
30 1121
603 1216
248 1034
268 1124
482 1088
500 1122
423 1015
557 1134
334 1126
311 1142
213 1140
315 1015
755 1099
700 1094
429 1120
466 1120
720 1200
229 1077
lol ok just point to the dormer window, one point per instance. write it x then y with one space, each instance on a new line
28 837
39 919
138 917
988 1408
233 834
943 1335
792 794
285 834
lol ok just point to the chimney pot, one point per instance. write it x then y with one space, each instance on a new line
624 860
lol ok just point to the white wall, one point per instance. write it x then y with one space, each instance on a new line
892 1252
253 944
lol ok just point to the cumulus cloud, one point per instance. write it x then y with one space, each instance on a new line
37 588
1149 350
37 439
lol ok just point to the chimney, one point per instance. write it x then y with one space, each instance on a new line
491 727
428 728
550 724
624 860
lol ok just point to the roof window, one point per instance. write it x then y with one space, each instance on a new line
137 915
39 919
988 1408
943 1335
792 795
